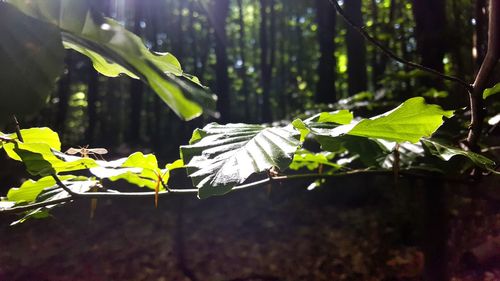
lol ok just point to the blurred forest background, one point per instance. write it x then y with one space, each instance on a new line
266 60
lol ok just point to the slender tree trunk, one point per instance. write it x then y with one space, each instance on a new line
356 50
219 14
481 31
388 28
243 68
136 86
326 17
265 60
430 32
64 89
283 73
92 96
193 37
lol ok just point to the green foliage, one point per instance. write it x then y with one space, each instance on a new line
31 57
410 121
446 152
138 169
30 189
221 156
114 50
491 91
312 161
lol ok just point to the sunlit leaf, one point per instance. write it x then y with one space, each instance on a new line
34 135
226 155
491 91
54 193
338 117
103 66
410 121
115 50
306 159
138 169
41 160
30 189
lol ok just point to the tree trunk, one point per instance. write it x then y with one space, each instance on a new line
92 93
136 86
265 61
430 19
243 68
326 16
219 14
356 50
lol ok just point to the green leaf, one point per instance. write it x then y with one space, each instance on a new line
177 164
302 128
31 59
306 159
227 155
54 193
339 117
34 135
144 178
115 50
491 91
41 160
30 189
138 169
410 121
103 66
446 152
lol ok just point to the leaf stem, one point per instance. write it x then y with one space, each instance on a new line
18 129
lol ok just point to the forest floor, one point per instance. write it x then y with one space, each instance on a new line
286 233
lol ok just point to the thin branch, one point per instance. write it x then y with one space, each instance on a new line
18 129
112 195
392 55
487 67
63 186
23 208
6 139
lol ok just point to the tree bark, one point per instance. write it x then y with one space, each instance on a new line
219 14
430 32
356 50
326 16
265 61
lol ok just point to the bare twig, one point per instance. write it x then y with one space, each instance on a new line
392 55
18 129
63 186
